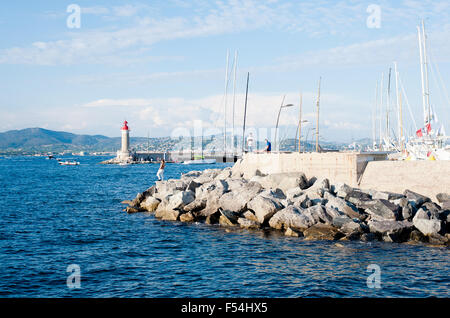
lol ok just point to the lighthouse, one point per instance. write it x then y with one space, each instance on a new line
124 153
125 137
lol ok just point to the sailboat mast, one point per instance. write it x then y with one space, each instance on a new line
234 98
300 125
374 115
225 107
388 104
317 119
381 108
425 61
398 102
245 114
424 100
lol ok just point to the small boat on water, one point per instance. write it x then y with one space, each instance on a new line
199 162
69 163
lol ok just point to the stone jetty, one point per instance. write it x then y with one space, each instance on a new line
309 208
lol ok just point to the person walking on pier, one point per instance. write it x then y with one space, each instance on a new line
160 173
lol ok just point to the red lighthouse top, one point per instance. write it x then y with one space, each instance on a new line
125 125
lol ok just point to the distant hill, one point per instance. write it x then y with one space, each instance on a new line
34 140
44 140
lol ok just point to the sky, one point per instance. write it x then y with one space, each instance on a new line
161 64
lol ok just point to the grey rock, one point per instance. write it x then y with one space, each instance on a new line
264 208
180 200
442 197
237 201
248 224
293 193
322 183
417 198
360 199
195 205
322 232
302 201
171 215
386 195
150 204
417 236
343 190
290 217
383 210
250 216
292 233
187 217
369 237
391 231
437 239
341 205
427 226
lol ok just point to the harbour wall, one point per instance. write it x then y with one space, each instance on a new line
363 170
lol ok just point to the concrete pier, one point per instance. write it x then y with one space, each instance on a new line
363 170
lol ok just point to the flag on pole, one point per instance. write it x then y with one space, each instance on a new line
419 133
428 128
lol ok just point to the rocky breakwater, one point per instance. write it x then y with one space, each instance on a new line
310 208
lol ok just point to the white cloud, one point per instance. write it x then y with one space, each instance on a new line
205 18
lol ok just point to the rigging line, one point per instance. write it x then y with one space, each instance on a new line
407 102
443 87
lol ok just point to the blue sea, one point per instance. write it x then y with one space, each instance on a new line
55 216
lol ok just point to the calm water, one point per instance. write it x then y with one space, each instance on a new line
53 216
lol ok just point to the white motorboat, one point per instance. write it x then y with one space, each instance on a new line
199 162
69 163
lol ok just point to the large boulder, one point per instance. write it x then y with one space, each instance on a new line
263 207
293 193
196 205
322 232
211 192
225 174
250 216
442 197
169 187
248 224
342 206
318 214
321 183
302 201
417 198
180 200
342 190
150 204
290 217
426 223
389 230
383 210
386 195
360 199
187 217
237 200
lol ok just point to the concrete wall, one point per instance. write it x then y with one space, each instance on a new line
363 170
336 166
422 176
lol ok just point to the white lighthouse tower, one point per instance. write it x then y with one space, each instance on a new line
124 153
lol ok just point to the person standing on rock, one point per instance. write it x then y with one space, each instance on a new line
160 173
